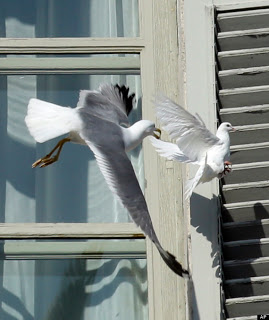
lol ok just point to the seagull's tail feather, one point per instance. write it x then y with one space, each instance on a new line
172 263
126 98
46 120
169 150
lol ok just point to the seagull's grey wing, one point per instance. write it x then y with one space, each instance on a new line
190 132
119 96
105 140
109 102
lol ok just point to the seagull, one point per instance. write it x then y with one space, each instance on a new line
100 121
194 143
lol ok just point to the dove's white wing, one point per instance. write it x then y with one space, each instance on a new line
169 150
106 141
190 132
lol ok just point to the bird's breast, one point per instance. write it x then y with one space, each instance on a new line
75 138
215 159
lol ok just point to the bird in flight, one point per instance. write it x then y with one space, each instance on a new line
194 143
100 121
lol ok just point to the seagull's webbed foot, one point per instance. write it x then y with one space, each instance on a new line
45 161
49 159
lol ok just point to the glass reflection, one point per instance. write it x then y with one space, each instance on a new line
68 18
73 289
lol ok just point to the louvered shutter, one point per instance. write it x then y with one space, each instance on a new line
242 60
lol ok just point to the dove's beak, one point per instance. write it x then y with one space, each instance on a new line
233 129
157 133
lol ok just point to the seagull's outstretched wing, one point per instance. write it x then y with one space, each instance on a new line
109 102
105 140
190 132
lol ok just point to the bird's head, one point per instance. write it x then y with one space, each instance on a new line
149 129
226 126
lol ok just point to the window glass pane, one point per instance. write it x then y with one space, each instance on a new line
72 189
73 289
68 18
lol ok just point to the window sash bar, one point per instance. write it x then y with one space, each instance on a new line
90 65
71 45
69 230
100 249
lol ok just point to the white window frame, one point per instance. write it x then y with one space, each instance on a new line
161 38
205 302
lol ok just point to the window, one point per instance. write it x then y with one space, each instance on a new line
63 222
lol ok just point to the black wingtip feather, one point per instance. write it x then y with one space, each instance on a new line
172 263
127 99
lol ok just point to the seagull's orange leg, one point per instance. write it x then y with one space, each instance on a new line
48 159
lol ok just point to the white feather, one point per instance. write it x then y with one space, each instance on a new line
46 120
192 183
168 150
194 142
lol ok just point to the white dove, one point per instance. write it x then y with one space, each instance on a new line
194 143
97 122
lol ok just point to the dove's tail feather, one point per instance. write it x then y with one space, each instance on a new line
171 262
192 183
46 120
169 150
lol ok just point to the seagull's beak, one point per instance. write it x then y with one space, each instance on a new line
157 133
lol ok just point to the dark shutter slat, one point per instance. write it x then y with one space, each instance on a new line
246 249
239 307
238 269
246 115
249 39
247 287
248 58
245 211
245 77
243 20
258 191
233 231
242 97
250 153
244 174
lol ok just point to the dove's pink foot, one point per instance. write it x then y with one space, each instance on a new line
227 169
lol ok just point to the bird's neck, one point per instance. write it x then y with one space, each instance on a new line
133 136
223 136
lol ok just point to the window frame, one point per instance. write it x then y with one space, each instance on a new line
163 195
